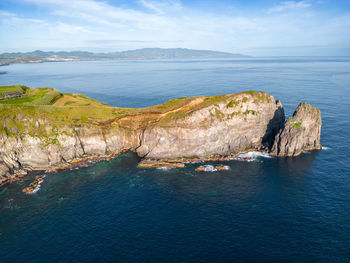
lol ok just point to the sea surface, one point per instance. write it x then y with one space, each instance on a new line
269 210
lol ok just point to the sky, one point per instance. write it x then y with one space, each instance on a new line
251 27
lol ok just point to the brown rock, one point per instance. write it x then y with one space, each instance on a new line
159 164
300 133
222 167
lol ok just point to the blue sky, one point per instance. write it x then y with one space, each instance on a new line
290 28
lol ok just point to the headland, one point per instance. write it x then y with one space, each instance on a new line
44 129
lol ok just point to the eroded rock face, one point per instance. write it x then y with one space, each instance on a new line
215 131
238 123
18 154
300 133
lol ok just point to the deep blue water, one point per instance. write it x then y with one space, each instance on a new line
270 210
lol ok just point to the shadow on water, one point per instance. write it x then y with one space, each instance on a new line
296 165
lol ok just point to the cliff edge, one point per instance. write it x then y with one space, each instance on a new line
44 129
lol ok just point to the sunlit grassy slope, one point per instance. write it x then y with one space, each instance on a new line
62 109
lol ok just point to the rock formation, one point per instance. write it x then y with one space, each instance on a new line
300 133
198 128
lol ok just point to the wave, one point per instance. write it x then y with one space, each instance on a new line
209 168
251 156
255 155
326 148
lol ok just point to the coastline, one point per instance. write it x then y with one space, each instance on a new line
168 163
194 129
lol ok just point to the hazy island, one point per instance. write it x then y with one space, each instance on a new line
42 129
138 54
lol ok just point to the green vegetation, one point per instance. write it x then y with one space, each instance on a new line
38 96
169 105
68 103
39 108
6 90
219 114
296 125
253 112
232 103
293 123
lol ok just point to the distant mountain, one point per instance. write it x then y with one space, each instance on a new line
137 54
172 53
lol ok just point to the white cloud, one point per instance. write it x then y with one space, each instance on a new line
288 6
14 20
71 29
169 23
7 14
161 7
152 6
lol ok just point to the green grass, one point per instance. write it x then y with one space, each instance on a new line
38 96
12 89
18 116
68 103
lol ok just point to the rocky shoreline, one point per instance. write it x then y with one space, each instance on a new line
200 129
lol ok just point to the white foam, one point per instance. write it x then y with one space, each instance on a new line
227 167
209 168
255 155
38 186
325 148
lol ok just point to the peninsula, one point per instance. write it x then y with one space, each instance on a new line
42 129
137 54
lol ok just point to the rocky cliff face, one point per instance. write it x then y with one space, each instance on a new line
300 133
221 129
204 128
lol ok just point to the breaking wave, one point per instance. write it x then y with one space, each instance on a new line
251 156
209 168
255 155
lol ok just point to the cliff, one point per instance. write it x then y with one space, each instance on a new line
300 133
73 126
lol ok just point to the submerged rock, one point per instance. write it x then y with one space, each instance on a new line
300 133
34 186
222 167
212 168
159 164
206 168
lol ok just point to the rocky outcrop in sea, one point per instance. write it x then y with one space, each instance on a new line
300 133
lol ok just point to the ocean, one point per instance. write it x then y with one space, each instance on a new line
269 210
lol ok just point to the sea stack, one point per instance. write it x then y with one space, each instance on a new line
300 133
